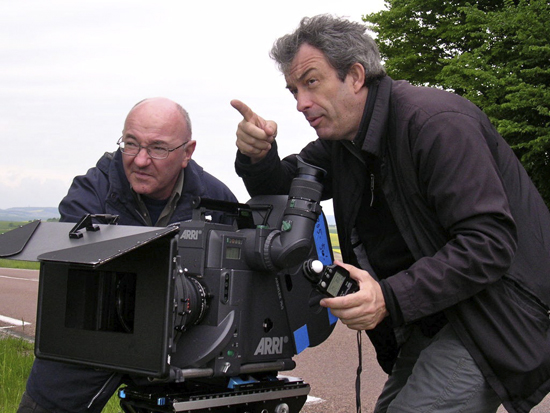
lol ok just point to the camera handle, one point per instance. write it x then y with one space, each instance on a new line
86 222
242 213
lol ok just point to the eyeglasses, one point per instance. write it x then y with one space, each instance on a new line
154 151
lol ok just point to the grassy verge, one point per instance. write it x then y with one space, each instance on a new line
16 358
27 265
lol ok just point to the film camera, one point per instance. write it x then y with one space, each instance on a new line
206 314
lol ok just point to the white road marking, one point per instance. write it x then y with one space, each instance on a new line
13 321
19 278
313 400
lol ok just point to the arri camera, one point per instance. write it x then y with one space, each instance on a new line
202 316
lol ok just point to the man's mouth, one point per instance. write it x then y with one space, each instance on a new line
314 120
140 174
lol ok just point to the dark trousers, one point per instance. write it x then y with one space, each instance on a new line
68 388
436 375
28 405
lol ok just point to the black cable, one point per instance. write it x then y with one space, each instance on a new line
359 371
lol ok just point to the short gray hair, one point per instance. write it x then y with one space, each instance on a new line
187 119
343 42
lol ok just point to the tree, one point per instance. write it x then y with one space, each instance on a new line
494 53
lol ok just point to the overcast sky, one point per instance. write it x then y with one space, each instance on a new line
71 70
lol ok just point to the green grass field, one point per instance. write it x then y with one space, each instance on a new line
6 226
16 357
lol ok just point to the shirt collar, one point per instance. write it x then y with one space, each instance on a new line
166 214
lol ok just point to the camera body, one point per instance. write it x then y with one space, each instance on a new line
247 320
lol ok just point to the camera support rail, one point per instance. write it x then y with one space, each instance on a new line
267 395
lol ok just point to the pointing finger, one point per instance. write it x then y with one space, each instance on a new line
243 109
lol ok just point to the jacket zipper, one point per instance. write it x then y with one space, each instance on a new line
371 189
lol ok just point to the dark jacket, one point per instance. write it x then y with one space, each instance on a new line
105 190
60 387
476 226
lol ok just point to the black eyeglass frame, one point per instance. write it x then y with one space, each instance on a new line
140 147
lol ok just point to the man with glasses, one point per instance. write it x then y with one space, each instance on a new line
150 180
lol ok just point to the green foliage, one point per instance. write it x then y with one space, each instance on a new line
494 53
417 37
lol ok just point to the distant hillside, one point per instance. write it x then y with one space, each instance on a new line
28 213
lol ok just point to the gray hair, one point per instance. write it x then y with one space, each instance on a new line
343 42
187 119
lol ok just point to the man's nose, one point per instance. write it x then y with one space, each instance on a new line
303 102
142 158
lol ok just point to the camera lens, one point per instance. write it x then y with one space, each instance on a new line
191 302
125 300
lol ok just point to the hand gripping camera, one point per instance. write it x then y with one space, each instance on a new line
205 314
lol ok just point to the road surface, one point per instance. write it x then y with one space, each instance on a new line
18 293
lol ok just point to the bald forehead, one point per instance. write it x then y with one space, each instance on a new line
160 114
156 107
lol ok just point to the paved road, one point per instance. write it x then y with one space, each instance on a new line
18 293
331 371
330 368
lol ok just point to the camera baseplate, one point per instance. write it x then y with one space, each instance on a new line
269 394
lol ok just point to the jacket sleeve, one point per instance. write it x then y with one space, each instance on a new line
273 176
86 195
458 181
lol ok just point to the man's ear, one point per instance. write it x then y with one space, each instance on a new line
357 76
188 152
